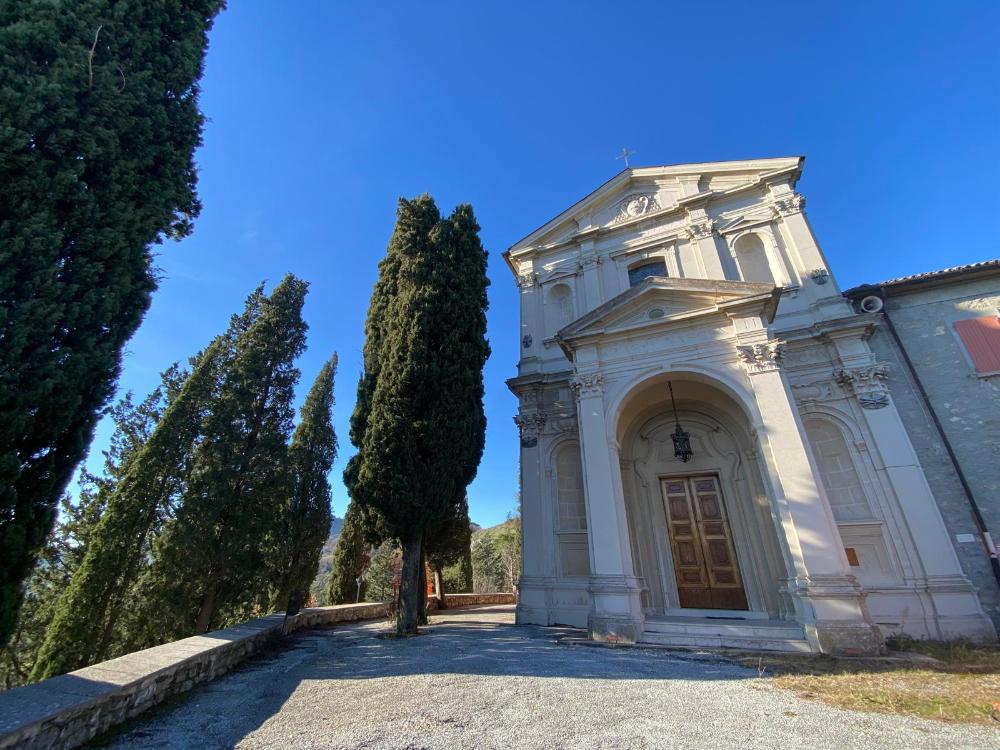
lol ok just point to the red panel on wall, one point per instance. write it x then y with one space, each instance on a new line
981 337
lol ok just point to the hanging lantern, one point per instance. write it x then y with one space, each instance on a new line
682 440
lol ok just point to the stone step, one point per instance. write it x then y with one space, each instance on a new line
753 635
707 627
788 645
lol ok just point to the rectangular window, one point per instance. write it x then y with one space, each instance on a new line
981 337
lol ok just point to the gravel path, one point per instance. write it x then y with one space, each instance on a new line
474 680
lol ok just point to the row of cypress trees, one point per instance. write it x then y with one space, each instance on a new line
220 511
418 422
99 101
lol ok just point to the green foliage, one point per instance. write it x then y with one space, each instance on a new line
418 423
496 556
139 496
304 519
59 559
100 124
321 583
449 547
350 560
381 575
210 564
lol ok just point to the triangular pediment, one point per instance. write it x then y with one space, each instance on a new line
660 300
641 192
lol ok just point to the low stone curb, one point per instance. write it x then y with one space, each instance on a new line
66 711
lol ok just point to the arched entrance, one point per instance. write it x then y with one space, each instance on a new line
703 535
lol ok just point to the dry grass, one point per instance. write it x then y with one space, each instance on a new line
955 682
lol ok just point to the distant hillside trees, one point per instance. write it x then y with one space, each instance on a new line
100 125
418 423
496 556
219 512
449 549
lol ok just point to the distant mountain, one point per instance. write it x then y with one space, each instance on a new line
336 524
322 580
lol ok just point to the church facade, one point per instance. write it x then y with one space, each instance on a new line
710 453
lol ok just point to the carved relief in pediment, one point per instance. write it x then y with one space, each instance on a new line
634 205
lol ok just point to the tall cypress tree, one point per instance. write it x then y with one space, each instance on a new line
305 516
86 614
209 562
100 124
350 559
420 417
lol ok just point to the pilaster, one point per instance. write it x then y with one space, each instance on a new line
530 420
616 610
826 595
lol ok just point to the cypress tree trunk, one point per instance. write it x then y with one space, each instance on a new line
408 615
422 610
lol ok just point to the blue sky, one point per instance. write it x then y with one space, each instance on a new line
321 114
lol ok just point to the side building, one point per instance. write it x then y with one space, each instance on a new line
712 452
941 342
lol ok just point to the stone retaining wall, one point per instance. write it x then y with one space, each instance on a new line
66 711
455 601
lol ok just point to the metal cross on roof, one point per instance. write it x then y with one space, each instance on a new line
624 155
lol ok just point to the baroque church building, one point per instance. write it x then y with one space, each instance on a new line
710 452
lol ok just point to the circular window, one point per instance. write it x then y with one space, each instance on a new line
655 313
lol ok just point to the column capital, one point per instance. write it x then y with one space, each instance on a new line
529 426
787 204
867 383
527 280
762 357
587 385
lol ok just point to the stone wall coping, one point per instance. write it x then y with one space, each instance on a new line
67 710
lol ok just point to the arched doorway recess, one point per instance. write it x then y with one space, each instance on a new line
703 533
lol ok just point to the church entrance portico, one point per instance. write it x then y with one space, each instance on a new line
744 531
702 531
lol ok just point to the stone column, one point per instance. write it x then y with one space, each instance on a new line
827 597
532 606
616 610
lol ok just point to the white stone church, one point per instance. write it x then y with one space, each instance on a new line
710 454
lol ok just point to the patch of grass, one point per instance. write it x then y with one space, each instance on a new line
954 682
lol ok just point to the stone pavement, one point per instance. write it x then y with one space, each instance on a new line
474 680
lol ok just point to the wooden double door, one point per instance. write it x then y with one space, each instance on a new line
701 542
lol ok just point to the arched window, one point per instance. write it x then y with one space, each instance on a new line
560 307
752 259
569 479
638 274
836 468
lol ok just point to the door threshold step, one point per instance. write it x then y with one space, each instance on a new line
732 641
